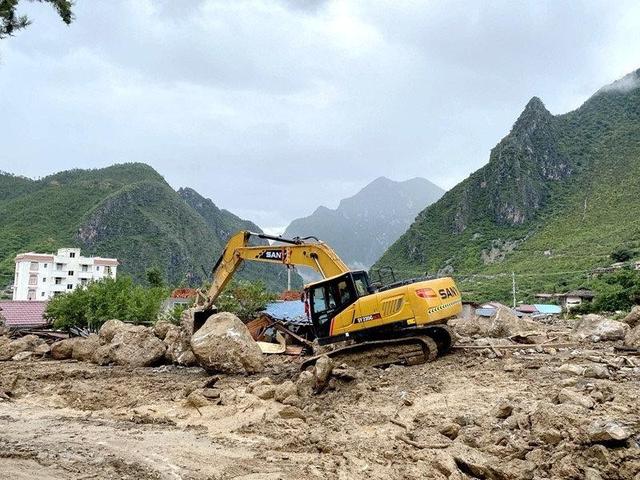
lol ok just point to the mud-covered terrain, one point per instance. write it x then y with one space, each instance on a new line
526 413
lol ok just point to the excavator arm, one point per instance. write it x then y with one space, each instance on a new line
316 255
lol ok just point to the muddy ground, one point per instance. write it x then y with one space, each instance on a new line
463 416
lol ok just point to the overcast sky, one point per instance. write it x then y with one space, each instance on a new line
273 107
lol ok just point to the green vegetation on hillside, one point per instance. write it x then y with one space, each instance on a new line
125 211
558 196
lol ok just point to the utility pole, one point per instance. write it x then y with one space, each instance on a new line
513 282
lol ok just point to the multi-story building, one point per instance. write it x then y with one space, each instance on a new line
41 276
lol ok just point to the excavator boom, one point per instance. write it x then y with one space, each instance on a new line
296 252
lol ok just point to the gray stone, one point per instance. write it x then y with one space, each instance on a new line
305 383
264 392
28 343
137 346
161 328
285 390
197 399
632 338
18 357
567 395
633 319
109 329
178 347
224 344
322 370
607 431
289 411
596 328
42 349
102 355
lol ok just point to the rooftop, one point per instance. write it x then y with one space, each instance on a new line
22 314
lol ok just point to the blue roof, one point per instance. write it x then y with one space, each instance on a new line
547 308
288 311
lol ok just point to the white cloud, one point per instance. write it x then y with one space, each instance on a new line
273 107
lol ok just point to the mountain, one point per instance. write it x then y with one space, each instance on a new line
558 196
125 211
364 225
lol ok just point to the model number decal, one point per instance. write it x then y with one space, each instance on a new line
367 318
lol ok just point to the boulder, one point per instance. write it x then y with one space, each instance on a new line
63 349
290 411
285 390
102 355
18 357
503 409
137 346
632 338
504 323
178 347
596 328
161 328
84 348
109 329
224 344
566 395
264 392
305 383
28 343
197 399
322 370
607 431
42 349
633 319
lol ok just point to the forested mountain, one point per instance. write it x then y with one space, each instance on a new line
558 195
125 211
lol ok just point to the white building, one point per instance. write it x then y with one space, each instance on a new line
41 276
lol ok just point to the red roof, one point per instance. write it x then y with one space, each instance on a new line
23 313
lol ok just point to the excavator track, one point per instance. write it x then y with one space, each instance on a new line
383 353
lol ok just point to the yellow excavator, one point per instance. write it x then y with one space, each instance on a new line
344 305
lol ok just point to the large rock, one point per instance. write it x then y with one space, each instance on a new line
63 349
178 347
596 328
633 319
224 344
161 328
136 346
607 431
632 338
84 348
102 355
28 343
111 327
504 323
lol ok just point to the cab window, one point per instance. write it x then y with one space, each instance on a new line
360 282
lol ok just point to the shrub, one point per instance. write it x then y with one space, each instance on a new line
103 300
244 299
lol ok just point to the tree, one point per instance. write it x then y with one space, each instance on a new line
621 255
155 277
10 22
244 299
103 300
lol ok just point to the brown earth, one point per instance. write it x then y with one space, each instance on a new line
463 416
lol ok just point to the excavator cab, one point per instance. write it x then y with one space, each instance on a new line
327 298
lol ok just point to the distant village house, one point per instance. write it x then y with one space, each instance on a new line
38 277
569 300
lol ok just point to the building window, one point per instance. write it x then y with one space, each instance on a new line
58 281
69 286
70 273
108 269
85 268
72 254
31 295
44 279
83 281
55 294
58 266
42 294
98 268
34 266
33 280
46 265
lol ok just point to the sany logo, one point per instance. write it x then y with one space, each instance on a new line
272 255
448 292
